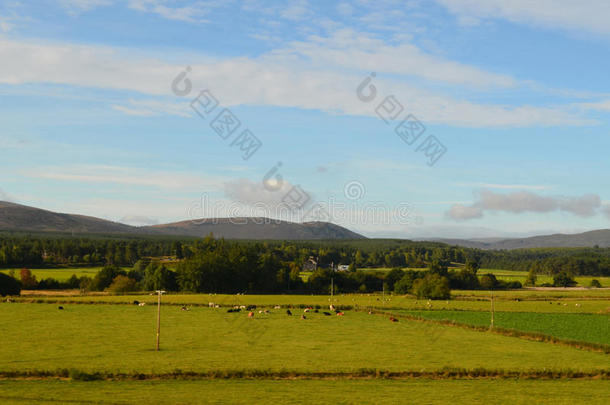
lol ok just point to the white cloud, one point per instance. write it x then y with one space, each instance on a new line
5 25
255 193
192 13
524 201
582 15
349 49
297 10
75 6
505 186
5 196
151 108
268 80
92 174
138 220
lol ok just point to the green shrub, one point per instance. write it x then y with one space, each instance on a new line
122 284
595 283
432 287
488 281
563 279
9 286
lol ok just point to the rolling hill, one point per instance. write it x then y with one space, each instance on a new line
21 218
599 238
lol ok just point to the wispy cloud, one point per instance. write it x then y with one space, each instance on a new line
77 6
583 15
268 80
347 48
506 186
191 13
151 108
92 174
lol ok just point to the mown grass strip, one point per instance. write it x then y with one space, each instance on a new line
444 373
538 337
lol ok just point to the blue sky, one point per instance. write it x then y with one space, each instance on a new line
515 92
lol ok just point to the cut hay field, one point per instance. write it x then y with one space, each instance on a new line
311 392
120 339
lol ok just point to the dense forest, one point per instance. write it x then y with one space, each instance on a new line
42 251
217 265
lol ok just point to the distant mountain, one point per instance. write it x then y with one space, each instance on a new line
256 228
16 217
599 238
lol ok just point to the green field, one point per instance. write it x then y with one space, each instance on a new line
570 301
211 356
59 274
311 392
514 275
579 327
119 338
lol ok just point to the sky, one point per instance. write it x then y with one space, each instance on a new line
411 119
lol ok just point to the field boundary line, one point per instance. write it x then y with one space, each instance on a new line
361 374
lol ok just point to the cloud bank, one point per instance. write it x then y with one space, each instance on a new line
523 202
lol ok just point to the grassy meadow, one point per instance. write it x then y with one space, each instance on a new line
120 338
592 328
211 356
566 301
59 274
312 392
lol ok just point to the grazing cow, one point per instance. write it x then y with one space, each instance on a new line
277 307
326 313
141 304
267 311
60 307
136 302
250 314
392 319
288 312
184 308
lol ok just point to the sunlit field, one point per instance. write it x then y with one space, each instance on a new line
311 392
120 338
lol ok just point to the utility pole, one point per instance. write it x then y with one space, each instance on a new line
159 293
492 309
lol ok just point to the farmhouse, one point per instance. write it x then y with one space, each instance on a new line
311 264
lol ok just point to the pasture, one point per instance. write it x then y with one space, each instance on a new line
311 392
211 356
59 274
593 328
119 339
565 301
